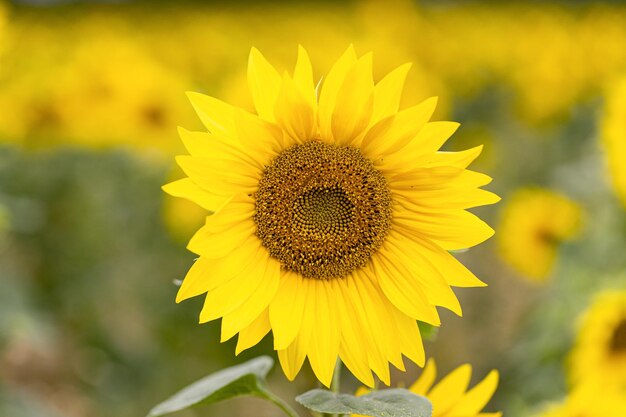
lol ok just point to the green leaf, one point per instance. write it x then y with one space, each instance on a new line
247 378
396 402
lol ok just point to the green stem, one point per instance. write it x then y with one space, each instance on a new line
279 403
336 382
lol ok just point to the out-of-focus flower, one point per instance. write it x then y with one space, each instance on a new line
599 355
533 223
384 25
588 401
451 397
91 55
614 135
113 92
99 89
305 195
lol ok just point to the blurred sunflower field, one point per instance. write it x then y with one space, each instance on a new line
92 251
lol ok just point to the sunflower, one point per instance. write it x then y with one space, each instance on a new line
450 397
588 401
534 222
333 217
600 350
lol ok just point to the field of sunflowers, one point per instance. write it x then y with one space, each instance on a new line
93 251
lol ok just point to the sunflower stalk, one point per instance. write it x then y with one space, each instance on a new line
335 384
268 395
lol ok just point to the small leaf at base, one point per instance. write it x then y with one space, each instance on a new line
394 402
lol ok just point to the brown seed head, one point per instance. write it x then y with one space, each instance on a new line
322 210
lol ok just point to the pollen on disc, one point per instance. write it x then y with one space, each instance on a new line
322 210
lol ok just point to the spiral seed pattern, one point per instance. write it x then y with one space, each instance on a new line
322 210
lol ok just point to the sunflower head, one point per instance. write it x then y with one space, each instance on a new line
600 351
333 213
335 220
588 400
534 223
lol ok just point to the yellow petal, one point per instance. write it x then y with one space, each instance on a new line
388 92
303 77
393 336
352 347
451 230
258 301
330 89
292 358
287 308
373 346
400 250
478 397
434 135
435 201
421 148
262 139
264 84
450 389
294 113
254 333
454 272
324 348
206 242
216 146
377 320
354 102
461 159
231 294
216 115
390 135
207 274
237 210
187 189
410 337
196 281
408 297
437 178
426 379
218 176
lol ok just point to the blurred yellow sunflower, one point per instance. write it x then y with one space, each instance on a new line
600 351
451 397
333 215
613 132
588 401
534 222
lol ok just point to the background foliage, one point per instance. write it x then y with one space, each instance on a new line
90 248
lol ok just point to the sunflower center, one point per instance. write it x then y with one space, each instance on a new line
618 340
322 210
